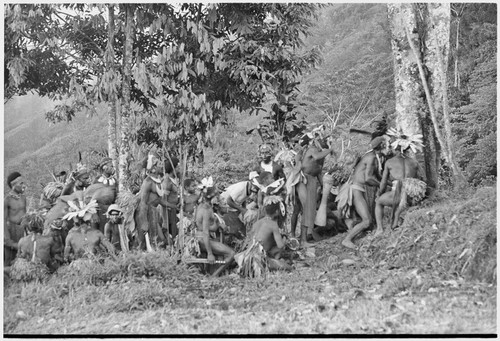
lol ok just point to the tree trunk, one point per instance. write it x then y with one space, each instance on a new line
123 172
412 113
112 140
437 62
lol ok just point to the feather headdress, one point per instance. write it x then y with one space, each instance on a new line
404 141
78 209
206 183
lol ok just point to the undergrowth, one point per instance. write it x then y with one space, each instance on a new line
453 238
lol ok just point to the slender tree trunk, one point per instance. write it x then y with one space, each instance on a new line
112 138
125 113
412 113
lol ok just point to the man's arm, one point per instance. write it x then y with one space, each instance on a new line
277 236
319 155
231 203
370 178
67 248
206 234
108 231
383 182
7 239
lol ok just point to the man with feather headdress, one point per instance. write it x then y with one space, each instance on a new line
403 171
264 243
83 238
37 248
207 223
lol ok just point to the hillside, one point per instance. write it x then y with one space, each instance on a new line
34 147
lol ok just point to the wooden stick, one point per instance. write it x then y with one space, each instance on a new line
202 261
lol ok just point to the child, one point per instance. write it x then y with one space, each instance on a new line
111 229
191 198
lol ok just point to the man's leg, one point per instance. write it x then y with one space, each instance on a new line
384 200
297 208
220 249
363 211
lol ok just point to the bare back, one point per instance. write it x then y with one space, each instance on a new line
397 164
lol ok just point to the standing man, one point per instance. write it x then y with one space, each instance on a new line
403 171
14 209
316 150
352 195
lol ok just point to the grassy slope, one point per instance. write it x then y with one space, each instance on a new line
379 292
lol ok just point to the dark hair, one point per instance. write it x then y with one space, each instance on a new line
210 192
12 176
272 209
264 176
169 167
188 182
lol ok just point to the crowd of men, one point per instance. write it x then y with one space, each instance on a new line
74 221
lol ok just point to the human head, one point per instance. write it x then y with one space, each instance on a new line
16 182
114 213
380 144
170 166
190 185
209 192
265 152
32 222
273 206
106 166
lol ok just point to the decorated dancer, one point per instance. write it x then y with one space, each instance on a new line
403 171
83 239
37 248
207 223
14 208
315 152
352 195
264 244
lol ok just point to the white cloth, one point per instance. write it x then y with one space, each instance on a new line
237 192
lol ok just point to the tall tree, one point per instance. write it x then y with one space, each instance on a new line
420 41
125 128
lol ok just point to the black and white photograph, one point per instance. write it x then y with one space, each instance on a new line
250 169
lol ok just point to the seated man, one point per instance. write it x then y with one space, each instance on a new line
403 171
37 248
206 222
266 233
83 239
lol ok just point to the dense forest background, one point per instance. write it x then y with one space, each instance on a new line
354 81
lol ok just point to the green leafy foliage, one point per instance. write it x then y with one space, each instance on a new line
474 102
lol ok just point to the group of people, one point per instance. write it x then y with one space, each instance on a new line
254 210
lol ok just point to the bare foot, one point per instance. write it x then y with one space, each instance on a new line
378 232
349 244
305 245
